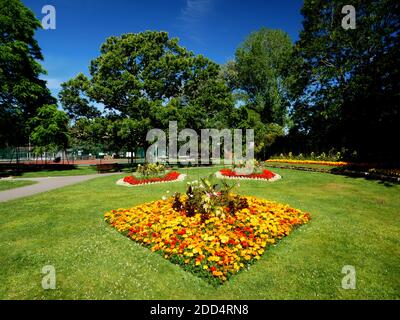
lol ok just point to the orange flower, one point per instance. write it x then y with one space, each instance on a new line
227 244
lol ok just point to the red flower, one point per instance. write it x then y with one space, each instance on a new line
266 174
213 269
171 176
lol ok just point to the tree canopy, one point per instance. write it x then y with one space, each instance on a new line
147 79
346 93
258 77
260 64
22 91
336 88
50 131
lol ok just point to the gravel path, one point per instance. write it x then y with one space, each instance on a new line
45 184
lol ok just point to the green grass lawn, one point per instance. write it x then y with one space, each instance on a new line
354 222
79 171
11 184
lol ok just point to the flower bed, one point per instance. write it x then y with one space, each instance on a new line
169 177
323 163
264 175
395 172
215 248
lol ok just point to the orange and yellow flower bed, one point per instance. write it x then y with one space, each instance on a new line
323 163
214 249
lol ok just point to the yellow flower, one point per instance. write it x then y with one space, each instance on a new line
229 243
224 239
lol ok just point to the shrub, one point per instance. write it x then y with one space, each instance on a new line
151 170
207 198
248 167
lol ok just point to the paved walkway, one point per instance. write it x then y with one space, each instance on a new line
45 184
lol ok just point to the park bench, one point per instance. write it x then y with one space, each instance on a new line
107 167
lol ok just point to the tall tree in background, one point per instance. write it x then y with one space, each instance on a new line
21 90
259 79
260 64
50 133
348 81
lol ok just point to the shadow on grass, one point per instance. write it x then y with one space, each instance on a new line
354 172
20 169
351 172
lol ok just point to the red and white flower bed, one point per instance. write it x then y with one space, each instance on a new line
265 175
131 181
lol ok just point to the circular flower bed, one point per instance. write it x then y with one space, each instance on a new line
264 175
131 181
214 248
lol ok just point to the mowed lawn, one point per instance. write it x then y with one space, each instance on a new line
354 222
12 184
78 171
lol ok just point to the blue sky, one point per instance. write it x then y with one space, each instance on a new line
214 28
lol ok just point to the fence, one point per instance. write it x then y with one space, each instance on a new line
25 154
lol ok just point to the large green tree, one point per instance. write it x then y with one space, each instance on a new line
145 79
347 84
22 91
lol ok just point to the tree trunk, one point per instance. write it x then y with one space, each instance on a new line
131 148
